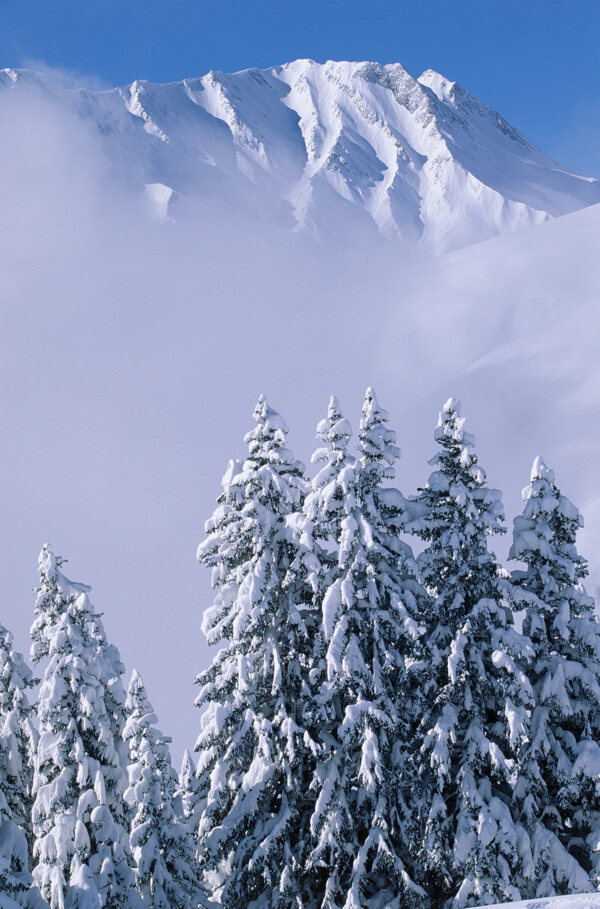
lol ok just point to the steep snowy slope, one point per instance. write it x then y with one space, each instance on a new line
326 147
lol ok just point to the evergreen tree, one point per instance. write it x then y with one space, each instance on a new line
188 793
475 694
318 529
17 739
15 880
368 591
320 523
161 843
256 751
81 849
557 796
18 736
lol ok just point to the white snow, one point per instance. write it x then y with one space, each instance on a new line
327 147
575 901
159 199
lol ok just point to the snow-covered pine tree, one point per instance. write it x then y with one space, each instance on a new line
557 796
475 693
161 843
17 741
318 530
15 880
188 793
256 751
368 591
18 736
320 523
82 851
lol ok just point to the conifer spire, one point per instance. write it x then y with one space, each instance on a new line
81 849
17 740
188 793
254 728
357 838
18 735
556 793
161 843
475 699
376 442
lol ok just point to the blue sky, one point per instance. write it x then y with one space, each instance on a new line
536 61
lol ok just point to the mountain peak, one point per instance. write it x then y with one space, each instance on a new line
438 84
454 94
327 147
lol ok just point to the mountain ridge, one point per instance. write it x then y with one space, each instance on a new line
327 148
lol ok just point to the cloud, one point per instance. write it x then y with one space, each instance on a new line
64 77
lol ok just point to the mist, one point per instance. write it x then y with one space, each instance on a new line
134 349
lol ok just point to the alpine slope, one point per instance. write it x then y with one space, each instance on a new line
326 149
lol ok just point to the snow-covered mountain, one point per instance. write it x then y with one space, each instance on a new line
326 148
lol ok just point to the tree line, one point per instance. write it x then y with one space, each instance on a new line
377 729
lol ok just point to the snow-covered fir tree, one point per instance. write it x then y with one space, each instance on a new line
475 694
320 522
18 736
557 796
15 880
256 751
17 743
318 528
188 793
161 842
369 597
81 849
